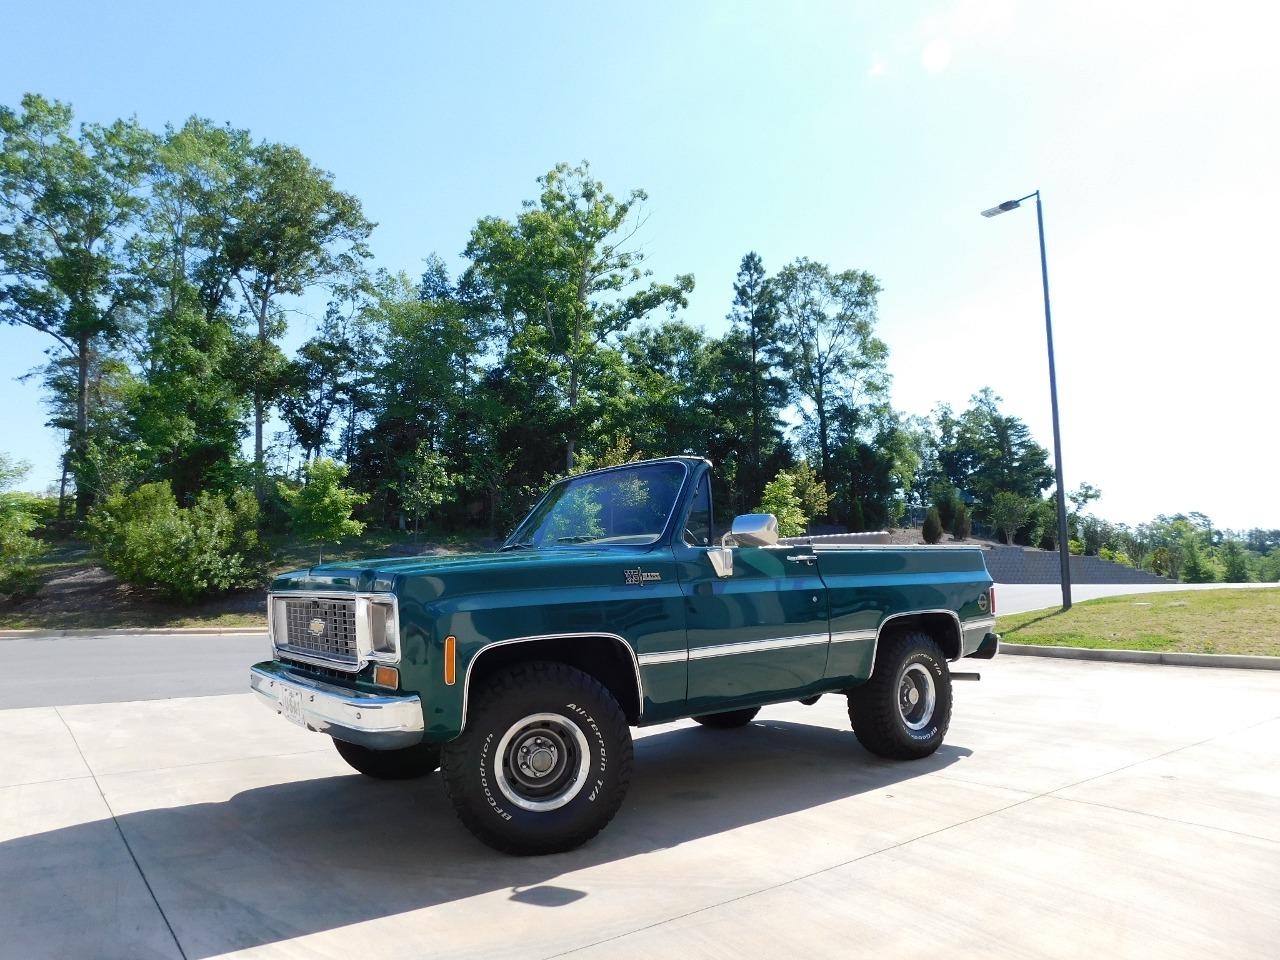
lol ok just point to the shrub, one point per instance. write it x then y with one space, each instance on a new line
960 525
932 530
780 499
147 540
948 504
1075 546
320 510
20 514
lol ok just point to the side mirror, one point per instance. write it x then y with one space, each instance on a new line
755 530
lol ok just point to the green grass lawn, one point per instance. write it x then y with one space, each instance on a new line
1199 621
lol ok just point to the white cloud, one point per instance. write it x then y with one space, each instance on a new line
878 69
936 56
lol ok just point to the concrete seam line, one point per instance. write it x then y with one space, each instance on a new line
123 839
1234 661
1156 816
902 843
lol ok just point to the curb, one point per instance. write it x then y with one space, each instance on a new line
1232 660
127 631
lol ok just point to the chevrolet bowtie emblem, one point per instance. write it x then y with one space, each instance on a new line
316 627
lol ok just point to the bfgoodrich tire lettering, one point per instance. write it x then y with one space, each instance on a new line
544 762
904 710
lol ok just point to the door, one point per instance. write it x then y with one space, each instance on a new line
758 635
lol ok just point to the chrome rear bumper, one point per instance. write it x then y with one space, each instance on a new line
368 719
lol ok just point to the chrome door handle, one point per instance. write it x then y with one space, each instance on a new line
802 557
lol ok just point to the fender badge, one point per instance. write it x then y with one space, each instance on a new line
982 602
640 576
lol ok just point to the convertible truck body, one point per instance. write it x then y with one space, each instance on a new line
620 587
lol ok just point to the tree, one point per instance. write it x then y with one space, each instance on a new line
17 520
759 353
932 529
425 484
559 278
1195 567
69 205
320 510
1008 512
781 500
814 498
828 321
291 229
960 526
1235 563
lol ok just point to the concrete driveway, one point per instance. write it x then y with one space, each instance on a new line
1077 810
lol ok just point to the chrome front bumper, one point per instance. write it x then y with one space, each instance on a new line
368 719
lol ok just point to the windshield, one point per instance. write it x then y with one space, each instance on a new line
629 505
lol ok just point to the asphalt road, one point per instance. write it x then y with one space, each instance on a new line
1076 810
44 671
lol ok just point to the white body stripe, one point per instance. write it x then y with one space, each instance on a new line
757 646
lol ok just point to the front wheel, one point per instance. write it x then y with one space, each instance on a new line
544 762
403 764
904 710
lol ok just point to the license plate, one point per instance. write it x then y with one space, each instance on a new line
291 705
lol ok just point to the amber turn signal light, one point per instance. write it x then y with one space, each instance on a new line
450 660
386 676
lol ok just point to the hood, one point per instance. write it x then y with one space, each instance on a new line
513 569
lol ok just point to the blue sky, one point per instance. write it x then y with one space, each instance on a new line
861 135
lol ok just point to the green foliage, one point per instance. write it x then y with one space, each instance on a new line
1075 547
814 498
147 540
1008 512
960 525
320 510
932 530
1235 563
426 482
947 501
20 514
70 203
781 499
1196 567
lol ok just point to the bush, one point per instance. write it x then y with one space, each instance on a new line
147 540
960 525
20 514
932 530
780 499
1075 546
948 503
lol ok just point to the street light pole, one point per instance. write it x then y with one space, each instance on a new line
1064 548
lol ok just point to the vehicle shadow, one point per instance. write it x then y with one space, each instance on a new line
291 859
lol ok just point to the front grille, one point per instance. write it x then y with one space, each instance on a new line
303 620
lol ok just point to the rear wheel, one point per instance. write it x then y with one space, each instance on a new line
403 764
728 719
544 762
904 710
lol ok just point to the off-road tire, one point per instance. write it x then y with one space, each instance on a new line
729 719
483 786
406 763
874 710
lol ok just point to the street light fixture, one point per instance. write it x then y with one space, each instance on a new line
1064 549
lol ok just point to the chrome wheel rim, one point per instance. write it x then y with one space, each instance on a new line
542 762
917 696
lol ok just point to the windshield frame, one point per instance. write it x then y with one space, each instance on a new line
677 503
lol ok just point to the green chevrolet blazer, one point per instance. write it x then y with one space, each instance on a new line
615 603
